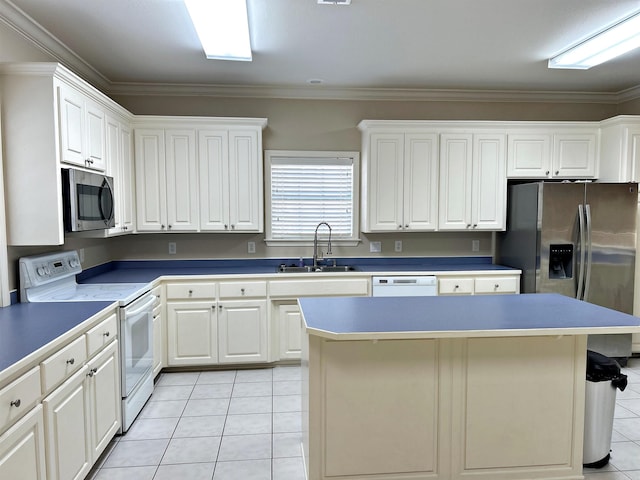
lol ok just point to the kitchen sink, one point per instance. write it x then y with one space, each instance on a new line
319 268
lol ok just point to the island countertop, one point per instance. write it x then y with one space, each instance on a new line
385 318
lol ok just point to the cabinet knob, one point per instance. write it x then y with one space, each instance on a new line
557 172
92 372
169 227
456 287
190 292
162 226
475 225
406 226
468 225
226 227
233 227
16 403
399 227
71 361
106 334
547 172
242 291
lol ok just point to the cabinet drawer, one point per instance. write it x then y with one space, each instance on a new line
63 363
455 286
206 291
19 397
243 289
497 285
102 334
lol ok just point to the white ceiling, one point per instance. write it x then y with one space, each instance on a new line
371 48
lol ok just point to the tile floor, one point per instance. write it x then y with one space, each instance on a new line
245 424
220 425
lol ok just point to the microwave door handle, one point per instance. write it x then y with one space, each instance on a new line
581 243
105 186
147 306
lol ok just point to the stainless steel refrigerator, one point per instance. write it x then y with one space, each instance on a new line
577 239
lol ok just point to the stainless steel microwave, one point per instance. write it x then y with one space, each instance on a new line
87 200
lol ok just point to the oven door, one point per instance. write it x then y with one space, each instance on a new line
136 342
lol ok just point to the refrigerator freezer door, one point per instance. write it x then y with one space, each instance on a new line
559 224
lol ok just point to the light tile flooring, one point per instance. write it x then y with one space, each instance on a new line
220 425
245 424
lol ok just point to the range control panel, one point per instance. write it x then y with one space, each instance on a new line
42 269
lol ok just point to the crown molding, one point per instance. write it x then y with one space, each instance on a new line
20 22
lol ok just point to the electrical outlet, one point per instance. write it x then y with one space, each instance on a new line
172 248
375 247
251 247
398 246
475 245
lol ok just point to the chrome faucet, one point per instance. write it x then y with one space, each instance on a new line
315 244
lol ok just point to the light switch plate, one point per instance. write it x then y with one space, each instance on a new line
172 248
475 245
375 247
251 247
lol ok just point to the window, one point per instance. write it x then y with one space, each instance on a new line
306 188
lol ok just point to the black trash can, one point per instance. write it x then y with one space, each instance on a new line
603 378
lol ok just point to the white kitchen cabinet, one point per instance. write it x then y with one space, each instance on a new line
472 182
103 387
290 329
166 180
230 169
400 182
242 331
158 340
40 136
120 166
82 129
484 284
620 149
552 154
192 333
67 429
22 450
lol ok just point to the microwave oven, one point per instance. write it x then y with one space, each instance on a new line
88 201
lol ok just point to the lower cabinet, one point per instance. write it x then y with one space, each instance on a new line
192 333
67 427
22 448
242 331
290 328
479 285
81 417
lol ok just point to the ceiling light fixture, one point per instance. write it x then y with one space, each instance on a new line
334 2
610 43
223 28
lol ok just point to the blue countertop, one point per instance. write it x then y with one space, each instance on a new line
27 327
149 270
459 316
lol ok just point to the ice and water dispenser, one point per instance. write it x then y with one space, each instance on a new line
561 261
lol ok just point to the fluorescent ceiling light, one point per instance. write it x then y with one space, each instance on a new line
610 43
223 28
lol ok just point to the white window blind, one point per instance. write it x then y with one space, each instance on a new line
308 190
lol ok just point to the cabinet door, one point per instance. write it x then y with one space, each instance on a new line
245 181
529 155
104 398
95 141
192 333
67 430
455 181
386 180
113 169
213 154
72 118
290 326
242 330
489 192
127 176
420 204
151 183
22 448
182 180
574 155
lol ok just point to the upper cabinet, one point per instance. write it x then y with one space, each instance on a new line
119 154
199 174
620 149
50 119
553 153
472 181
400 181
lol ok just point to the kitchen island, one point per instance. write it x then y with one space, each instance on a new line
486 387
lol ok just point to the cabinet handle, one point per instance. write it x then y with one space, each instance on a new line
475 225
496 286
220 307
399 227
226 227
406 226
242 291
169 227
16 403
162 227
71 361
92 372
190 292
557 172
547 172
456 287
233 227
468 225
105 334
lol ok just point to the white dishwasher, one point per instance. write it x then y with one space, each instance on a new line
404 286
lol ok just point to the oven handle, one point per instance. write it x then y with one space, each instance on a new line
147 306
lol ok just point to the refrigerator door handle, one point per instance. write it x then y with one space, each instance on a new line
581 244
587 277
